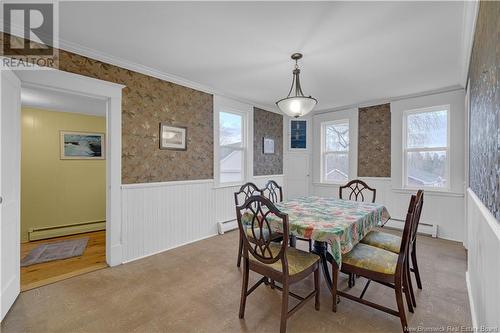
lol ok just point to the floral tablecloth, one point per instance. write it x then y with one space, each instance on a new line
340 223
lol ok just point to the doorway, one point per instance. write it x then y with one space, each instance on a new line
63 185
10 141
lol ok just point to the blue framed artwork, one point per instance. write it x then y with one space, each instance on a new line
298 134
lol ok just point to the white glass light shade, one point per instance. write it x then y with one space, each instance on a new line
297 106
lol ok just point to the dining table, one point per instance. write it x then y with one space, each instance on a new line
335 225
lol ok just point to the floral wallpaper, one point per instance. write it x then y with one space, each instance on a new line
484 122
374 141
146 102
269 125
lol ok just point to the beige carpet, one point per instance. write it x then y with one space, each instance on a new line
196 288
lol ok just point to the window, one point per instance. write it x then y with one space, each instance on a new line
298 134
335 151
426 141
232 146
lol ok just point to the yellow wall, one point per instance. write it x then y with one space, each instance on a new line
53 191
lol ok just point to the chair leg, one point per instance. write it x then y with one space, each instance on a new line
335 275
401 307
284 307
316 288
406 291
310 245
415 266
240 251
410 284
244 287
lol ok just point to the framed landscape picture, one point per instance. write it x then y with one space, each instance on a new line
173 137
82 146
298 134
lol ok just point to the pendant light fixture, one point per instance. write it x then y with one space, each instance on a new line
299 104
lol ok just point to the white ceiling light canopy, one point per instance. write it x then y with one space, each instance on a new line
298 105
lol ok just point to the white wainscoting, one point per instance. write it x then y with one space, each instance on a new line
483 263
160 216
443 209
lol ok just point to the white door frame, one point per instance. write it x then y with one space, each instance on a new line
112 94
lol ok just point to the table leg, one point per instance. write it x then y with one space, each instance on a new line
320 248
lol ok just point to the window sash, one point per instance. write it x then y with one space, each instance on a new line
241 146
325 153
446 149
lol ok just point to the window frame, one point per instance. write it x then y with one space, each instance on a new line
406 150
243 148
323 151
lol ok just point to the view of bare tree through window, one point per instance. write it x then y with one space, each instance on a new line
336 151
427 148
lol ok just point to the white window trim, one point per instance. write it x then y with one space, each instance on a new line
323 151
245 141
447 149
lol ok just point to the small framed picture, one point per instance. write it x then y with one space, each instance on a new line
268 146
298 134
173 137
82 146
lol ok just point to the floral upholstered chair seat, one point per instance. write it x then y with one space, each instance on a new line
383 240
371 258
298 261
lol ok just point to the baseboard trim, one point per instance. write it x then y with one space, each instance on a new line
170 248
471 301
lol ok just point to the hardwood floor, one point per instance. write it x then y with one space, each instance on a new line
38 275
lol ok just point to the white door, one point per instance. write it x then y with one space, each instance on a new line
10 153
297 175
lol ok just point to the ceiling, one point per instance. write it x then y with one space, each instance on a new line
54 100
353 51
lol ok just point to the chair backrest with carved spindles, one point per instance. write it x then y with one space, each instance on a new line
418 212
416 202
273 191
255 214
357 190
245 192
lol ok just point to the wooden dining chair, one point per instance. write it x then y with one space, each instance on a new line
274 192
390 242
382 266
356 191
277 262
245 192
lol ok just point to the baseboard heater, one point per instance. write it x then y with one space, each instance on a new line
227 226
65 230
423 228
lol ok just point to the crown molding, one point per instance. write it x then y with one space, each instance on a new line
390 99
471 10
119 62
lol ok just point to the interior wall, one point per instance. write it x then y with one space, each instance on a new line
484 119
374 141
483 196
57 192
147 101
267 125
446 209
